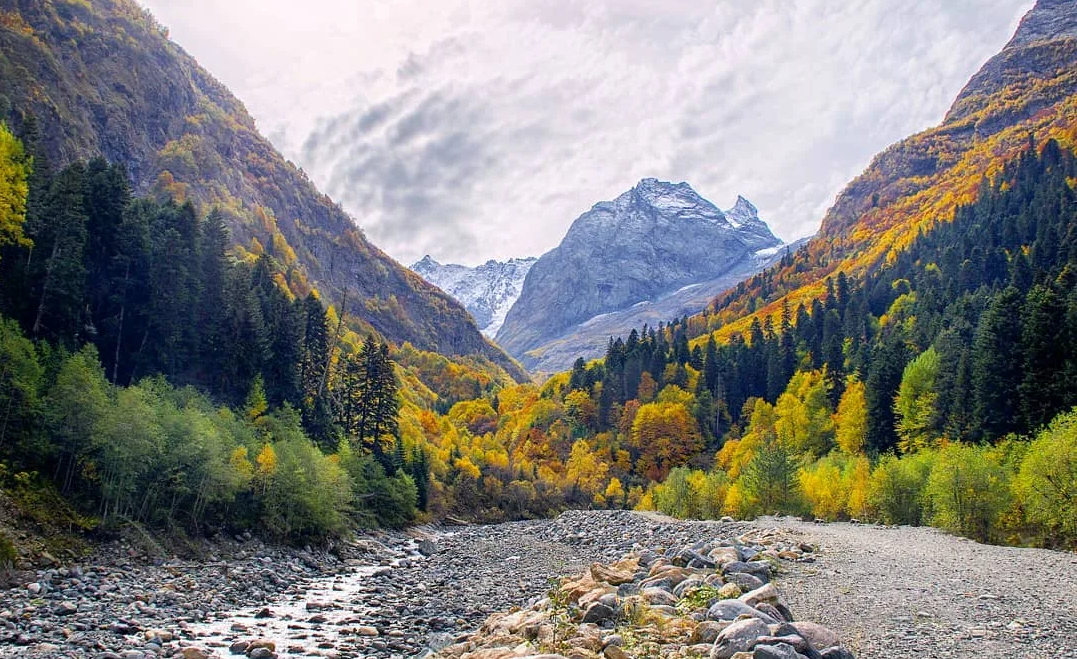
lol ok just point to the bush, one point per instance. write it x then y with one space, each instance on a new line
824 489
379 498
969 491
307 494
836 486
897 488
1046 485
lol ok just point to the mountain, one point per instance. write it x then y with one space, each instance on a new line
647 243
590 339
102 78
1026 92
488 291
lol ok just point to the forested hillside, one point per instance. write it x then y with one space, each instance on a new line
174 353
1029 88
101 78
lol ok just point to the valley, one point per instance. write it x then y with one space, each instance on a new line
232 425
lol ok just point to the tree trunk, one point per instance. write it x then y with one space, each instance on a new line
119 331
45 288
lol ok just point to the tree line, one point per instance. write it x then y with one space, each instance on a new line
148 294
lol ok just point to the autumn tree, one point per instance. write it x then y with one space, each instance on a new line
914 406
14 170
850 419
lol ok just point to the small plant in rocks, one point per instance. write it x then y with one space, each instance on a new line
698 598
8 554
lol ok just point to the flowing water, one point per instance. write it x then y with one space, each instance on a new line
325 617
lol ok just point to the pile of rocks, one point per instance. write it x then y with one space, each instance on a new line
708 599
120 603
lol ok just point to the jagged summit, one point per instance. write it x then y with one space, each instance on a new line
1047 20
652 240
487 291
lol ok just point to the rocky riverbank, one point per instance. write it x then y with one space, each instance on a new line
900 593
713 599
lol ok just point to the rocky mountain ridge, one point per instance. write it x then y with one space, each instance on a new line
487 291
1028 90
103 78
653 240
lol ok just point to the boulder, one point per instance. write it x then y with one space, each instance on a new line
778 651
658 596
765 593
818 636
747 582
738 637
623 571
597 613
733 609
758 569
707 631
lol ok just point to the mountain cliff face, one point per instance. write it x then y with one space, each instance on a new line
1027 91
102 78
590 339
488 291
652 240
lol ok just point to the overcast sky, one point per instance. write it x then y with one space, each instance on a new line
470 129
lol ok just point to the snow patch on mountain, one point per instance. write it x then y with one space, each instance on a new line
487 291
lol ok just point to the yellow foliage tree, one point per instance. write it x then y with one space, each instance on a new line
804 416
666 435
267 465
615 492
584 470
241 463
14 169
736 454
851 419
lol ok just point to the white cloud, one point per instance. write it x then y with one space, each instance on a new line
473 130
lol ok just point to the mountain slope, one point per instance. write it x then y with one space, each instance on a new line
590 339
487 291
1027 90
652 240
103 78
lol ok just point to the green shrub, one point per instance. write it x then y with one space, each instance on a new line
896 494
306 493
969 491
379 499
1046 485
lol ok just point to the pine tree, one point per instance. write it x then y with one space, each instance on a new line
996 366
1043 388
57 269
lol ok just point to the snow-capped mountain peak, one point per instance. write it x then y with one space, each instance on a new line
487 291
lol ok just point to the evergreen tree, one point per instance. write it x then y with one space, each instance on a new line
996 366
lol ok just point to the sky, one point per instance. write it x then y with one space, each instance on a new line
471 130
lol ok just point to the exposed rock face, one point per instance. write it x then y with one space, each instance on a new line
1049 20
651 241
488 291
590 339
102 78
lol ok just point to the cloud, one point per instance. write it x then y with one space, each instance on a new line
473 130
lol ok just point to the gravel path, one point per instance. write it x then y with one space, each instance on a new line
917 592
